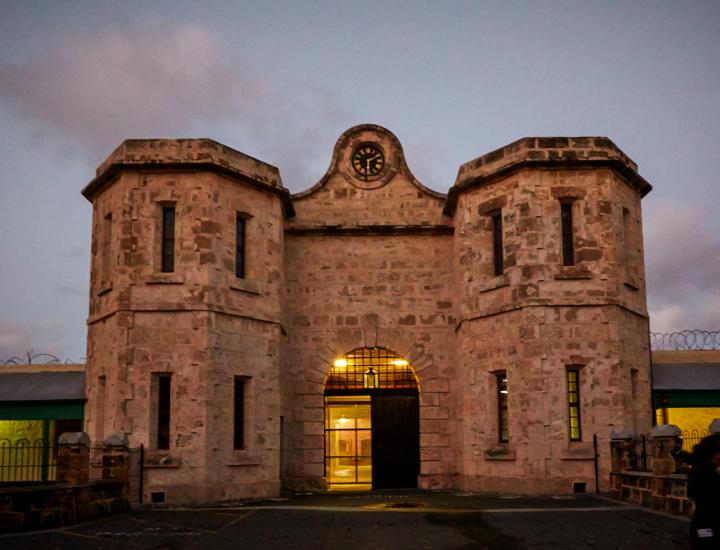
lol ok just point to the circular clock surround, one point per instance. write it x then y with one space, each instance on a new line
368 161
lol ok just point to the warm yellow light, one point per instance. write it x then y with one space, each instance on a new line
399 362
340 362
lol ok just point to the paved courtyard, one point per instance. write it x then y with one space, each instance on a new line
408 520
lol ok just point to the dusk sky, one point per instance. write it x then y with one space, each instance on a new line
282 80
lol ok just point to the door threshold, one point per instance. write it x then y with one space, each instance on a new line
349 487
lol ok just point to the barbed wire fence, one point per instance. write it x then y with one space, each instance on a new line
685 340
31 358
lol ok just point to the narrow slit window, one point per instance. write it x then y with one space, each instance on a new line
573 385
498 263
568 247
163 412
168 239
239 413
106 253
626 256
502 395
630 252
240 235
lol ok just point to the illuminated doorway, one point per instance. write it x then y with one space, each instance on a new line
348 441
372 422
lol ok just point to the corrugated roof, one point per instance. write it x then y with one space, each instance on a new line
667 357
686 376
42 386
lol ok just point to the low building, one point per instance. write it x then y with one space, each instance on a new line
686 390
37 404
367 332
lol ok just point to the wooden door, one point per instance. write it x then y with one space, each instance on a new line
395 441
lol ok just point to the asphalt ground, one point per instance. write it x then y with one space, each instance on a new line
378 521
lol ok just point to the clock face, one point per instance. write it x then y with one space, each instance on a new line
368 160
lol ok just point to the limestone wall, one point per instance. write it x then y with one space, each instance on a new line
200 324
394 199
356 261
348 292
540 317
368 263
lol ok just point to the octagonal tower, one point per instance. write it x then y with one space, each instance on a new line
184 325
553 330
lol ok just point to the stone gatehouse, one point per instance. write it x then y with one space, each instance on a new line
367 332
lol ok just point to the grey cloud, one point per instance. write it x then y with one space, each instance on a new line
423 159
99 88
71 290
13 342
74 252
683 265
95 90
42 336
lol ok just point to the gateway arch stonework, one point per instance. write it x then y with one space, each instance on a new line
219 303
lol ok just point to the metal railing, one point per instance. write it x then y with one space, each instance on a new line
690 438
637 455
108 463
24 461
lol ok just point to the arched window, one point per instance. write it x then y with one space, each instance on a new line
370 369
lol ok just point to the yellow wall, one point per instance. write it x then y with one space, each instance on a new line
29 461
689 419
15 430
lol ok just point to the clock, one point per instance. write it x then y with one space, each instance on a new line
368 160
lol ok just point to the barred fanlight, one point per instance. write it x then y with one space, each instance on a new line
371 368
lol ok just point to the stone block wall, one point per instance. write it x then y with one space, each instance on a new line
359 262
663 486
78 497
539 318
368 264
199 324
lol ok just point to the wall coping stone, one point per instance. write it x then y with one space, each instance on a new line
74 438
635 473
622 433
666 430
116 440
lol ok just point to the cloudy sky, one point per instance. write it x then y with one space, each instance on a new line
282 80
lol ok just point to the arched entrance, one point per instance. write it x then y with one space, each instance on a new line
372 421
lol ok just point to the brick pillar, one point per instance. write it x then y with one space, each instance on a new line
74 453
620 442
115 459
663 439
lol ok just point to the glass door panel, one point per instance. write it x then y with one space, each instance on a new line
341 443
364 469
362 417
341 417
348 442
